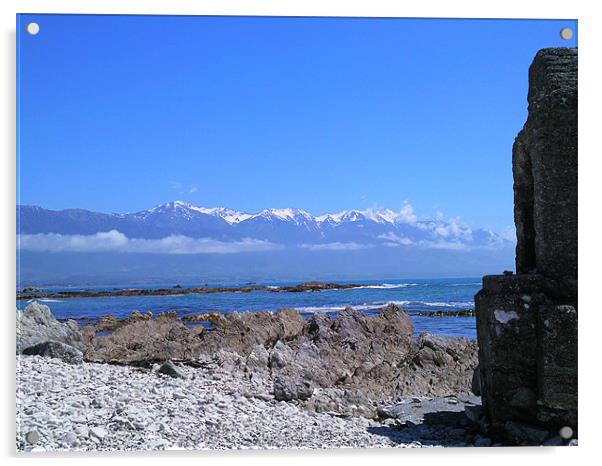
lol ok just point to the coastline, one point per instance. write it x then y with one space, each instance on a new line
177 290
428 301
255 380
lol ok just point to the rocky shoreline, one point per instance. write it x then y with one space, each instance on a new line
109 322
37 293
254 380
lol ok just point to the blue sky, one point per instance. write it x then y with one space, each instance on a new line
119 113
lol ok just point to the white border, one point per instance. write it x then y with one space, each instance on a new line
441 8
590 212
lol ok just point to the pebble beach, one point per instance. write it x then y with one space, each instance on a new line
108 407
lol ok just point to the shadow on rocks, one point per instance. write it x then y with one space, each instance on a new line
443 428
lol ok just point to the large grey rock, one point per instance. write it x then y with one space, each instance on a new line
36 324
55 349
258 359
545 168
352 349
292 387
441 366
527 351
280 356
240 332
353 358
527 323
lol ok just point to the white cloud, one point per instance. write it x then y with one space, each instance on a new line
450 245
193 189
335 246
442 231
114 241
447 229
509 234
454 227
396 239
407 214
55 242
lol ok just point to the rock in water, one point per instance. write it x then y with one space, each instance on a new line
168 368
36 324
55 349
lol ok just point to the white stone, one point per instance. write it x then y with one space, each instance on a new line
503 317
98 432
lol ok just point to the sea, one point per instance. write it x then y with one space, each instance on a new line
414 295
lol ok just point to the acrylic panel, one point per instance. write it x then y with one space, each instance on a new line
290 232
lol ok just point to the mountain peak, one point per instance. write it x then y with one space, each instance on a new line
277 225
287 214
376 215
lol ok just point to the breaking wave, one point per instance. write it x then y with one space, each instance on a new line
379 305
388 286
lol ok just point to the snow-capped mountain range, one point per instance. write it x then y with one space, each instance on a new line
278 226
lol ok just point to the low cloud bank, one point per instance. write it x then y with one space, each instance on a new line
335 246
114 241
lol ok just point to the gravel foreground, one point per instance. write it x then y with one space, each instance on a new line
107 407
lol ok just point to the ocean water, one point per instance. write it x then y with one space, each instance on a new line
449 294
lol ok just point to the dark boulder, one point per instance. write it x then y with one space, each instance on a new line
169 368
58 350
524 434
292 387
